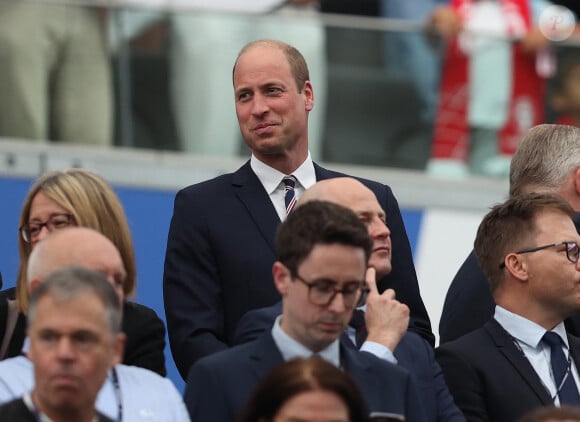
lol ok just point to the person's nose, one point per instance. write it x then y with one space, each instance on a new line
336 305
42 233
378 228
259 105
65 349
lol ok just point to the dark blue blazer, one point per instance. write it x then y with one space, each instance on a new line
219 257
413 353
490 377
469 304
219 386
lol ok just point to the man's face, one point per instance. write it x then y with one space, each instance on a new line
272 114
71 348
316 326
554 281
363 202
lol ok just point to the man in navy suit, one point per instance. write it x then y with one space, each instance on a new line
547 160
386 318
220 247
528 248
322 250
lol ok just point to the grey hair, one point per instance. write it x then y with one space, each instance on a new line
72 282
545 157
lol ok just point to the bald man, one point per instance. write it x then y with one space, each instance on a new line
130 393
386 319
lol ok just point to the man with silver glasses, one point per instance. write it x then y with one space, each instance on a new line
322 252
522 358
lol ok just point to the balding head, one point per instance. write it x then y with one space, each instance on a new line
352 194
76 246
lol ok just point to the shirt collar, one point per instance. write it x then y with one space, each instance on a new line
290 348
524 330
271 178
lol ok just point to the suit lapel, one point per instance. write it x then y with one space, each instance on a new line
265 355
507 347
249 190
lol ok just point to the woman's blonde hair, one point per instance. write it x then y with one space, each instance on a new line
94 204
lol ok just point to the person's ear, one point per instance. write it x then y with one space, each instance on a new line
517 266
282 277
308 93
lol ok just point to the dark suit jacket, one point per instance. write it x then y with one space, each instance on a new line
469 303
144 330
219 386
220 252
490 377
413 353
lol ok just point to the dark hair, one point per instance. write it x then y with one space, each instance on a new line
71 282
509 226
318 222
298 376
551 413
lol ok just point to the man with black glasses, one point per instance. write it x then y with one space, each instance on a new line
522 358
322 252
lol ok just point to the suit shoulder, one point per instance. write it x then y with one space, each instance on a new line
227 358
209 185
468 343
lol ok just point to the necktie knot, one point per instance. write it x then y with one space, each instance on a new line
552 339
289 195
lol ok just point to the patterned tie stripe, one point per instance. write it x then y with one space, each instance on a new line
565 384
289 196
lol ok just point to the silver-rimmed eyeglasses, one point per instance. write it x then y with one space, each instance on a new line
572 251
322 291
32 229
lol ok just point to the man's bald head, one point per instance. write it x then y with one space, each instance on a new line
76 246
352 194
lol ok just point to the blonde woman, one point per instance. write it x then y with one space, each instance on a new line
78 197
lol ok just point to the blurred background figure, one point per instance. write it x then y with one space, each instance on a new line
483 109
306 389
203 48
565 87
55 76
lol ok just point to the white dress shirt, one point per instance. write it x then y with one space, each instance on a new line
271 179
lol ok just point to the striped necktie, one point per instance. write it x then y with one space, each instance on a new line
561 368
289 195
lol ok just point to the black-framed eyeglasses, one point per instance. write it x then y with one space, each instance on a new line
322 291
31 230
572 251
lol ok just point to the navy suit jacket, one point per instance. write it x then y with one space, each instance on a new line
490 377
413 353
469 303
219 257
219 386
